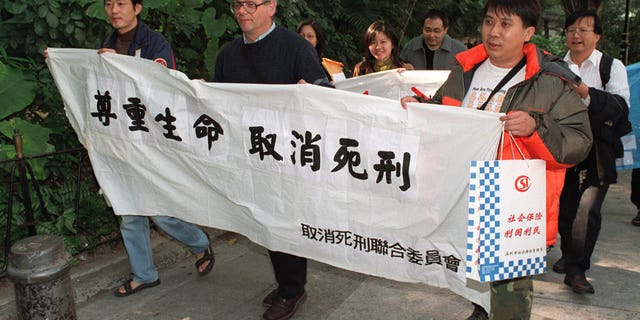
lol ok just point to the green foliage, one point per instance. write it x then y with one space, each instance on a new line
613 25
34 140
57 215
32 105
93 221
195 30
17 90
555 44
29 26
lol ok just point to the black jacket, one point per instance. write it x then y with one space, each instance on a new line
605 111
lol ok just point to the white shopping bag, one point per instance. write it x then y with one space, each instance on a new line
506 235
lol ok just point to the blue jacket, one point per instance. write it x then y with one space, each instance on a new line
147 44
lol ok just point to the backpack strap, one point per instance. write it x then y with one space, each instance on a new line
605 69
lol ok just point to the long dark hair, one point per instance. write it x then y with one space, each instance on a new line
374 29
320 38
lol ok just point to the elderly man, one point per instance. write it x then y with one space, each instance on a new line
270 54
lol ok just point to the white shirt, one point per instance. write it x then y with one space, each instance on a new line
486 77
589 71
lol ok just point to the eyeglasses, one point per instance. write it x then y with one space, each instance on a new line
580 31
249 7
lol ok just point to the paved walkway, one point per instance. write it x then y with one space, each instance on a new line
242 276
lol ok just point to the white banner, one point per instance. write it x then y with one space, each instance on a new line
346 179
394 85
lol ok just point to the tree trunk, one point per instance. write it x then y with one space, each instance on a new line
412 6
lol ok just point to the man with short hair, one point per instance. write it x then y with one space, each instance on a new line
434 49
586 184
543 113
270 54
133 37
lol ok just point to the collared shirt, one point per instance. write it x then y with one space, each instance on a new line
589 71
262 36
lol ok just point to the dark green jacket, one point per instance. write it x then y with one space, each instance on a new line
563 135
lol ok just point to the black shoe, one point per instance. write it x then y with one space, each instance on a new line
578 283
479 313
268 300
636 220
559 266
282 309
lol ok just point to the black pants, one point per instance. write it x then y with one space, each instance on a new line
635 187
580 218
290 272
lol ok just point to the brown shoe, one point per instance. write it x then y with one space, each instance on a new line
578 283
268 300
636 220
282 309
559 266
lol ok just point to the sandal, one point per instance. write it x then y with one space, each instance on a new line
129 291
207 257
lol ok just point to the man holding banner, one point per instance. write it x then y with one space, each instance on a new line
547 118
132 37
250 60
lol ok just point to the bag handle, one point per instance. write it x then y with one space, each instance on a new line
513 142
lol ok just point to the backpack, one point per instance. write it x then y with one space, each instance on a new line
623 125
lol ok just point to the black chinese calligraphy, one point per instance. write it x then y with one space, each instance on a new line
104 114
136 112
345 156
168 119
263 145
206 126
386 167
309 150
380 247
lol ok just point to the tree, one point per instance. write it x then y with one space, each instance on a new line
574 5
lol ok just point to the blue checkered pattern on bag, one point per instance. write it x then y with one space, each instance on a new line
489 218
484 260
520 268
473 213
487 177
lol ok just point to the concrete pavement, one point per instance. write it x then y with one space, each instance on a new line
242 276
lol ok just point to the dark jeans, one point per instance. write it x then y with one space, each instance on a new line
635 187
580 218
290 272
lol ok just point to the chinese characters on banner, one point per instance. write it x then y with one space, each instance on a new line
342 178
